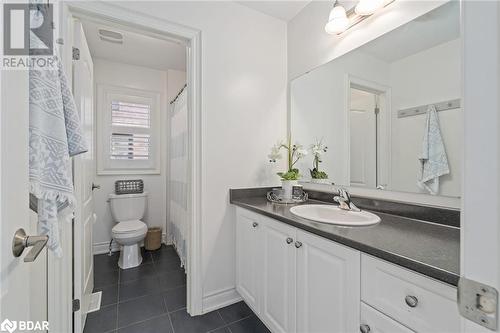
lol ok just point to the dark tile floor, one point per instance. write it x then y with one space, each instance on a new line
151 298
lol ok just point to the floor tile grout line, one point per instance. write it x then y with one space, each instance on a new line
148 294
154 274
168 314
241 319
141 321
118 299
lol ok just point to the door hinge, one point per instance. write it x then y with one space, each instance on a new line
76 305
76 53
478 303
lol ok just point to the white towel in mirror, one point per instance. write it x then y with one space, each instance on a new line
433 161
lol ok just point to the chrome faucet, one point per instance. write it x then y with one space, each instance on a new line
344 200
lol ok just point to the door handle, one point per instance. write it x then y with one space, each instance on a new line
96 187
22 241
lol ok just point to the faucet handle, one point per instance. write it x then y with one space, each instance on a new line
343 202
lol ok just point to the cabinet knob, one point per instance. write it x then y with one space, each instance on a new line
364 328
289 240
411 301
255 224
298 244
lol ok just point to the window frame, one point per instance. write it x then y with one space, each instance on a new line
105 164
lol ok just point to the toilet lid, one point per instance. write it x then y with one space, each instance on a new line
129 226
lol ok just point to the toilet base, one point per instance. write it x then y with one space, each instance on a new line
130 256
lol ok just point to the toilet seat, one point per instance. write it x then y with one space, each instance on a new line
130 228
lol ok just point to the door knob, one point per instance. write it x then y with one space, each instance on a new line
298 244
364 328
411 301
96 187
255 224
22 241
289 240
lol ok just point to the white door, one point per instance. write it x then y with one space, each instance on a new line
247 257
84 172
363 143
328 286
278 282
23 285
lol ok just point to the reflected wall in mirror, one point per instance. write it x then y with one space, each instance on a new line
370 108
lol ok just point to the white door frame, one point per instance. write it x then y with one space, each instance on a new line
480 231
352 81
192 38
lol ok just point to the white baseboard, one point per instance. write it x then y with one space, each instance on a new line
220 299
103 247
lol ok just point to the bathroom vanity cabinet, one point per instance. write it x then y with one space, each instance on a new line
296 281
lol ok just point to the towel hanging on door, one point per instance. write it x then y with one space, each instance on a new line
55 134
433 161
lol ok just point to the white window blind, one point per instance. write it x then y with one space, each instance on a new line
128 131
130 114
130 146
128 122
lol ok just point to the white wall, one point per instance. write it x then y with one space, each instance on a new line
433 75
135 77
244 84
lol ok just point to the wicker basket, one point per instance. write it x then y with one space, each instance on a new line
153 239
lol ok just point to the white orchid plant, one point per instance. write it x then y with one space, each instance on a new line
318 149
294 153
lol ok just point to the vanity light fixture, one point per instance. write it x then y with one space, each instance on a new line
368 7
340 20
337 20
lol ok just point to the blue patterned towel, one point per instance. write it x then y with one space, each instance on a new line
55 135
433 161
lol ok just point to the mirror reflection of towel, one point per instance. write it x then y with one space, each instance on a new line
434 162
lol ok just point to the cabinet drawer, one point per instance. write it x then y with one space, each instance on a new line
422 304
373 321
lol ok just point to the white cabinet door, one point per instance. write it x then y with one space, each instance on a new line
373 321
278 271
247 257
328 286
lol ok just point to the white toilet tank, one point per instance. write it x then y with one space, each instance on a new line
126 207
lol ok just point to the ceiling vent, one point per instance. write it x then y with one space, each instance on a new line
110 36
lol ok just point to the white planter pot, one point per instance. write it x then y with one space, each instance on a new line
287 186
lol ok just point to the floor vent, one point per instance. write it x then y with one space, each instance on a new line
95 302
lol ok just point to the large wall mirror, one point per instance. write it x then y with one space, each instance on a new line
372 110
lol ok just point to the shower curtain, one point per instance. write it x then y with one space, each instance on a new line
178 180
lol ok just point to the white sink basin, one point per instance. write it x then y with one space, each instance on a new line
334 215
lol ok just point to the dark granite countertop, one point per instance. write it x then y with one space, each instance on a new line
428 248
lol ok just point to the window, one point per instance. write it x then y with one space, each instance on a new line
128 135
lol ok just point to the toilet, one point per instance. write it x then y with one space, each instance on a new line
127 211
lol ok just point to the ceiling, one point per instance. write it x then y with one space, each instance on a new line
431 29
283 10
137 49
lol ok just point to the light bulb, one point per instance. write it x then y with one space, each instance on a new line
337 20
368 7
